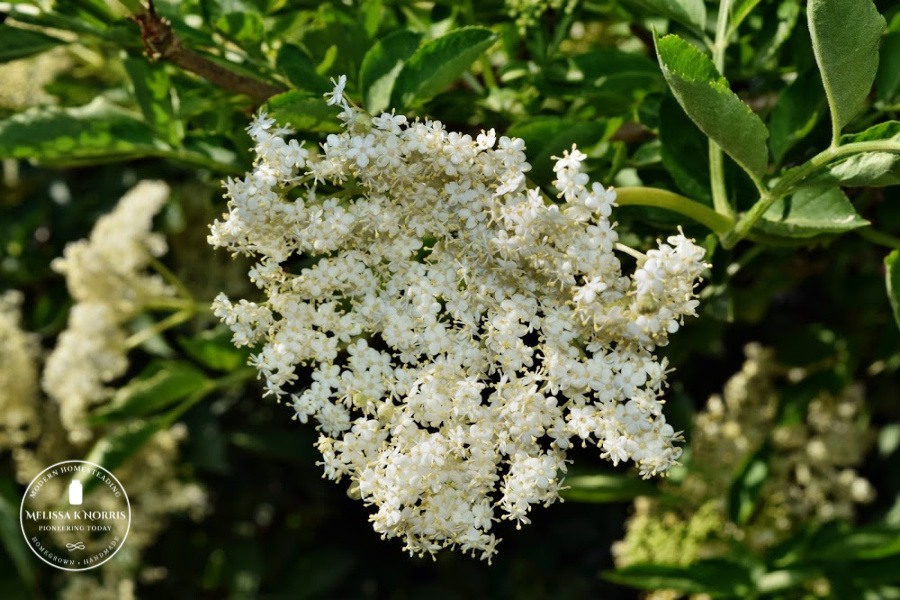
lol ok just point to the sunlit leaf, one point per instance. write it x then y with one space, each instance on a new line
845 36
707 99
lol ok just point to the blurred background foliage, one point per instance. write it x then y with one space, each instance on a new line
84 115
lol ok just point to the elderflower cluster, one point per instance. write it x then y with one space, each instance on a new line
106 276
19 419
812 478
36 434
461 329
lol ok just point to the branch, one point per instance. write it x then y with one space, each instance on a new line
161 43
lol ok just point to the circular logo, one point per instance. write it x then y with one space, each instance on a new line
75 515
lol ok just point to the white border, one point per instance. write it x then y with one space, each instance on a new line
22 510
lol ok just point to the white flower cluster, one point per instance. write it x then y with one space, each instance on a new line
19 419
107 279
462 329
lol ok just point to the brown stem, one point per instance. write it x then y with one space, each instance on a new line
161 43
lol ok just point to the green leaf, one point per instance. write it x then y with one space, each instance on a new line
117 446
161 384
153 93
887 80
691 13
11 533
96 132
18 43
214 350
605 487
303 112
892 282
371 15
546 137
785 579
744 495
382 64
610 80
800 106
437 64
777 27
211 151
845 36
298 66
811 211
862 543
245 28
872 169
739 11
717 577
706 98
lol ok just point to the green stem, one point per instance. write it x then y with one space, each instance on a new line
242 374
173 279
630 252
879 237
487 73
168 303
716 160
169 322
798 175
644 196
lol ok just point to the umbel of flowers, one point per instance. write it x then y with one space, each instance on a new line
462 330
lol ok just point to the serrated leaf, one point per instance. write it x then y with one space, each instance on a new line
892 282
160 385
716 577
438 63
245 28
691 13
549 136
96 132
845 36
811 211
800 106
18 43
605 487
382 64
153 93
707 99
303 112
298 66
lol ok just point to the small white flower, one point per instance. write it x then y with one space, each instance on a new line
336 96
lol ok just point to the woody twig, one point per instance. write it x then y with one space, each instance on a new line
162 43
